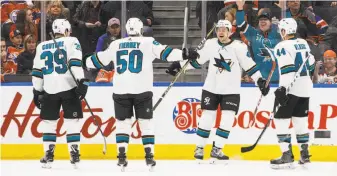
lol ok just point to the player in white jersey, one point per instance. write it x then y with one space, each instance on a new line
294 105
54 87
133 82
222 86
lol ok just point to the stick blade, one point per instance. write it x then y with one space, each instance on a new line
247 149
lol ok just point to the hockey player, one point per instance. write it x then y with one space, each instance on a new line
291 53
133 57
222 86
54 87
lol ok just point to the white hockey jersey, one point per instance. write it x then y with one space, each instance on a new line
290 55
133 57
50 72
226 62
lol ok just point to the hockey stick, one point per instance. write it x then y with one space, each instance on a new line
200 46
250 148
267 83
72 75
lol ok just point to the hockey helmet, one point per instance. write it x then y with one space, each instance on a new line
224 23
134 26
289 25
61 26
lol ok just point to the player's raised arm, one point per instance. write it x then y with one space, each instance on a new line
100 59
37 79
247 63
198 59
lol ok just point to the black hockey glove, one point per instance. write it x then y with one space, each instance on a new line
82 88
190 54
281 95
262 86
38 98
174 68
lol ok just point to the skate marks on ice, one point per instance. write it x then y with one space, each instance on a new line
163 168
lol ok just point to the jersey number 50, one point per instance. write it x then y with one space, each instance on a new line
133 63
51 58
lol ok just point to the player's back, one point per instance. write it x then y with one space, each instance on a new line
133 63
291 54
53 65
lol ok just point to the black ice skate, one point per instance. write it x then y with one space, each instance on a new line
74 156
150 162
199 154
122 162
285 161
48 158
305 157
217 155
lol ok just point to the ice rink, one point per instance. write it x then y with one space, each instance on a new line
163 168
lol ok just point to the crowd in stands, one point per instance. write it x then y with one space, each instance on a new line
256 24
97 23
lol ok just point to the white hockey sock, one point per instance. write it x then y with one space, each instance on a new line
204 127
283 133
147 129
226 123
49 133
123 130
73 132
301 129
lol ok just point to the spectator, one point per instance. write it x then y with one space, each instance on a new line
150 6
140 10
265 35
111 9
35 7
326 72
306 21
308 28
230 15
26 58
3 57
7 67
25 23
213 7
55 10
87 18
9 10
113 33
16 49
330 39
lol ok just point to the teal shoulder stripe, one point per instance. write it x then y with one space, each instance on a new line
252 70
195 64
166 53
37 73
96 62
288 69
77 63
312 67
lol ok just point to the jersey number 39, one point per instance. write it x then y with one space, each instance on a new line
132 61
54 58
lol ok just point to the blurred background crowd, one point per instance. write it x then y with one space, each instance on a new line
97 23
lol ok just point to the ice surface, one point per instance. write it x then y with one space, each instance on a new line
163 168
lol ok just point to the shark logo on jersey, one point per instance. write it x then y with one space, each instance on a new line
264 53
207 101
223 64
